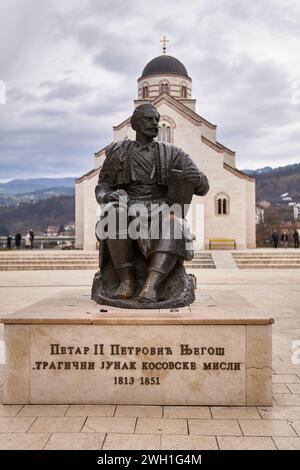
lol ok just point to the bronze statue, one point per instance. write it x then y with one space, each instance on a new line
139 185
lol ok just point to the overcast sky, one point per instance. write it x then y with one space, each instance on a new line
70 69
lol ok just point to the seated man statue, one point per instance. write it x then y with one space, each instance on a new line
141 180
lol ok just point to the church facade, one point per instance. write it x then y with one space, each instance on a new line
227 212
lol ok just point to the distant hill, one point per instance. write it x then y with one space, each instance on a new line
260 171
272 183
22 186
56 211
35 196
14 192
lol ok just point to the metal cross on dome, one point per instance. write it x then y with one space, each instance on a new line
164 40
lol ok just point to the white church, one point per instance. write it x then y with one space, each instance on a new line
227 212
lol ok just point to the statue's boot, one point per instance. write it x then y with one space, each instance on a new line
149 292
161 265
121 252
126 288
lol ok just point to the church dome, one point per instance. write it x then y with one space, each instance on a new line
165 64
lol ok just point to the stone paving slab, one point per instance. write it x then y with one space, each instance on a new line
234 412
280 388
287 379
296 426
15 424
43 410
131 442
91 410
287 398
21 441
109 425
217 427
287 443
139 411
75 441
202 412
57 424
280 412
294 388
10 410
266 428
245 443
188 442
161 426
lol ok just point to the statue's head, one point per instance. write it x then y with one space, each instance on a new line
145 120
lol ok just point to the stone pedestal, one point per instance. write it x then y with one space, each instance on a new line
67 349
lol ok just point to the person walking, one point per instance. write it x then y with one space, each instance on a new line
296 238
31 233
8 242
285 239
27 241
18 239
275 238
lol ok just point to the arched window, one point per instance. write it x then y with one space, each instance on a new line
145 92
164 87
164 133
222 204
183 91
166 129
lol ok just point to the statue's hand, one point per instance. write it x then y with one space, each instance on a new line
118 194
195 177
191 175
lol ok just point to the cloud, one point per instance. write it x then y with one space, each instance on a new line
70 70
65 89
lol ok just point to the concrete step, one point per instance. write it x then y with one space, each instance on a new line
202 255
29 255
58 260
193 261
269 260
18 256
73 259
201 266
47 257
270 266
48 262
266 257
274 253
72 266
45 260
30 267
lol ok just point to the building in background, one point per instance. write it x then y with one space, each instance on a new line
228 210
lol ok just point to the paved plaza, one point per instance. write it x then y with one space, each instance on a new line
277 291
